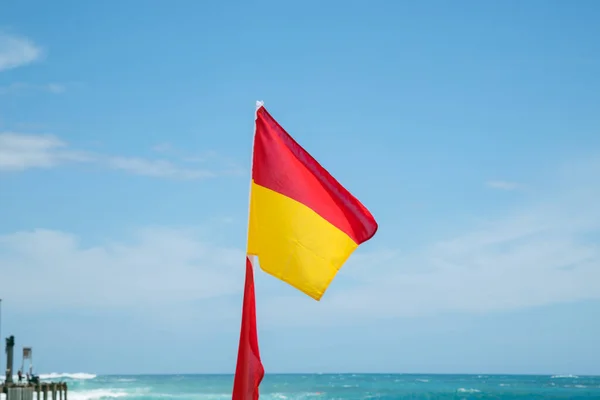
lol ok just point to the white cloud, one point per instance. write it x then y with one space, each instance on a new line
157 168
503 185
16 51
54 87
229 167
545 253
163 148
531 264
541 256
21 87
22 151
159 267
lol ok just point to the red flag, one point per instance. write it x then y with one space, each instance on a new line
249 370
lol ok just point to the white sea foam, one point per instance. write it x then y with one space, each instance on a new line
101 394
295 396
188 396
96 394
565 376
464 390
66 375
60 376
219 396
423 380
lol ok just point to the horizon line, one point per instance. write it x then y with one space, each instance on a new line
561 375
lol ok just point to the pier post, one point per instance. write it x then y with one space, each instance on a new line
65 391
53 391
10 344
27 392
45 389
38 389
60 391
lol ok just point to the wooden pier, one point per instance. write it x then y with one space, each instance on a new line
26 390
57 391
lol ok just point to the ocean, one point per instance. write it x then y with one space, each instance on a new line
333 386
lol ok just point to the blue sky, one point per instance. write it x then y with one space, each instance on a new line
470 130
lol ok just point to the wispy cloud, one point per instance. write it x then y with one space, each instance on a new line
19 152
21 88
163 148
157 168
542 254
210 157
206 156
17 51
156 266
504 185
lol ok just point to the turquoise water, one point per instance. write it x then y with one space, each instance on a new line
336 386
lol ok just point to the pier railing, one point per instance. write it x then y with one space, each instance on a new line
57 391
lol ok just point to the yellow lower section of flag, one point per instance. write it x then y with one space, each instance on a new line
295 244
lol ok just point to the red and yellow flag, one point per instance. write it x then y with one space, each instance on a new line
303 226
303 223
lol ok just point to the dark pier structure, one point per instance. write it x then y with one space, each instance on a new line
25 390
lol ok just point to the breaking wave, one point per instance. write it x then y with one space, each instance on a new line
66 375
61 376
97 394
87 386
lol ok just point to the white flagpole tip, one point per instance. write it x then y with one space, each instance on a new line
259 104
